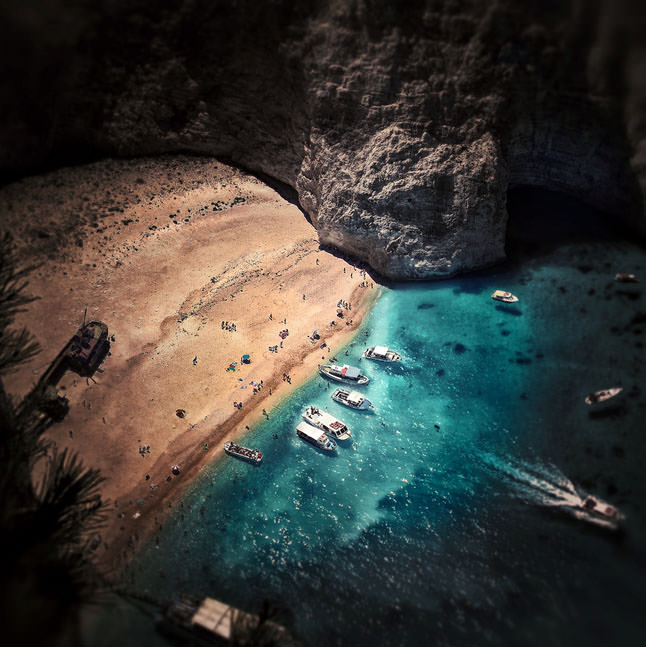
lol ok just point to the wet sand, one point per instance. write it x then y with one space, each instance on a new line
163 251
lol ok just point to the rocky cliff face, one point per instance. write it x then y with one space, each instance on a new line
401 125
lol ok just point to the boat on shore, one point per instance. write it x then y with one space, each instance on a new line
243 453
598 397
505 297
382 354
352 399
623 277
348 374
315 437
328 423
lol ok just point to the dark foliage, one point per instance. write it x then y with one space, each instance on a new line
49 502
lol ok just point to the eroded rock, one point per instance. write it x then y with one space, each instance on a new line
401 128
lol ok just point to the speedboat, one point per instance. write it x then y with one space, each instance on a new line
382 353
349 374
329 424
602 396
622 277
352 399
244 453
601 511
505 297
315 437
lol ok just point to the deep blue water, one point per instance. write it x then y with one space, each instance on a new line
413 535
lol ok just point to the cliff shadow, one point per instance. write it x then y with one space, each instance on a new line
540 221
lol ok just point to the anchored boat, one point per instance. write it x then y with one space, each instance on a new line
328 423
382 354
315 437
352 399
602 396
505 297
348 374
205 621
244 453
622 277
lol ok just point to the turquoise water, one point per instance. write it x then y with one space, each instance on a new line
413 534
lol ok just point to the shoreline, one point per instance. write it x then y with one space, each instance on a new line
133 533
166 251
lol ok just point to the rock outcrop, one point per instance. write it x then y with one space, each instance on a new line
402 128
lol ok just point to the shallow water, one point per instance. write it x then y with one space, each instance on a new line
413 534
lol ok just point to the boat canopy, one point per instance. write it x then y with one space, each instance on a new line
308 430
214 616
354 397
380 350
501 293
350 371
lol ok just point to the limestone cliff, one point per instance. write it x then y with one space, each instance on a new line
401 124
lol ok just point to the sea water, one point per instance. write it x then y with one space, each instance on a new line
437 523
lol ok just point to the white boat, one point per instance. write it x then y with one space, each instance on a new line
601 511
505 297
192 620
315 437
352 399
622 277
349 374
382 354
602 396
329 424
244 453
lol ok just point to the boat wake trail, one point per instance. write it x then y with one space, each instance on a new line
543 484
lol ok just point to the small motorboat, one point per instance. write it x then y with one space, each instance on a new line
352 399
350 374
602 396
244 453
601 512
382 354
622 277
505 297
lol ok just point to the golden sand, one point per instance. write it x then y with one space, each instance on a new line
164 285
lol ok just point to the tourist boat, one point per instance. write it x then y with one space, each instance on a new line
344 373
505 297
352 399
382 354
622 277
244 453
315 437
205 621
328 423
601 511
604 395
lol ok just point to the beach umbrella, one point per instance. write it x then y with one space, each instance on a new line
246 356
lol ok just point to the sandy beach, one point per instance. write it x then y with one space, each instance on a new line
172 253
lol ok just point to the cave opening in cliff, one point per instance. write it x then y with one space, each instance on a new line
541 220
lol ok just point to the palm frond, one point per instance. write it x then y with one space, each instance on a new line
69 498
16 347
